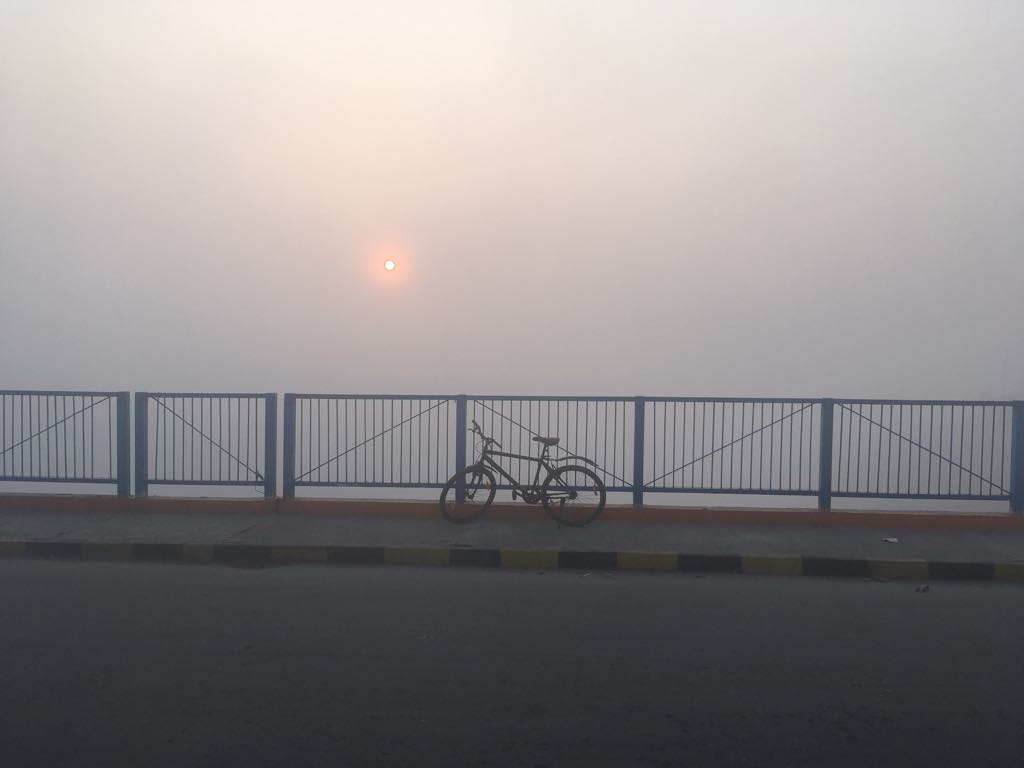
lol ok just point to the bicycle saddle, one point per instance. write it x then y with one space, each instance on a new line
549 441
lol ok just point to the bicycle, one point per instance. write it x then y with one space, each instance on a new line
573 495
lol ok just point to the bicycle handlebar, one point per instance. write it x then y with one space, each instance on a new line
487 440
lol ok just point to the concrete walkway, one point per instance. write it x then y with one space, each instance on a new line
748 548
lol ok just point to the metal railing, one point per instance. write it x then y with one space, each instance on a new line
778 446
900 449
599 428
65 437
399 441
196 438
732 445
924 449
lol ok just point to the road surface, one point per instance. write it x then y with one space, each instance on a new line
160 665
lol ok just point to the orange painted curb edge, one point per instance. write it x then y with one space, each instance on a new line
512 511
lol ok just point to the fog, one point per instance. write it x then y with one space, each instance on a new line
676 198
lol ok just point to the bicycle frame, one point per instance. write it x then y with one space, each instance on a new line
531 494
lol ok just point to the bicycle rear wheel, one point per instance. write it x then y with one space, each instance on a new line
480 489
574 495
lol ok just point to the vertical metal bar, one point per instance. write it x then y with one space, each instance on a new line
586 428
305 427
717 454
899 456
867 462
43 407
949 457
162 426
288 447
970 466
22 432
810 448
791 421
343 472
860 444
881 435
825 460
33 429
110 442
447 437
1017 459
760 446
205 449
319 446
335 462
1004 415
192 438
269 444
991 449
884 435
889 448
960 460
141 443
847 420
158 419
252 441
234 433
216 438
682 477
920 437
124 441
931 443
743 443
800 448
201 439
639 405
620 448
179 424
460 446
436 416
92 439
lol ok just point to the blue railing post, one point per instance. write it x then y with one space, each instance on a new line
288 448
1017 459
141 444
124 444
639 407
825 456
460 447
270 446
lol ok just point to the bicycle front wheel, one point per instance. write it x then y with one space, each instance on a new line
574 495
480 488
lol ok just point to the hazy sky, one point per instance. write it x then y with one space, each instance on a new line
792 198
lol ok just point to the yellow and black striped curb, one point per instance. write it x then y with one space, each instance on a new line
257 555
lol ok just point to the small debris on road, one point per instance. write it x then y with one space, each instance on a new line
923 588
891 540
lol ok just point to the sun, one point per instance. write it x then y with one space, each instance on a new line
389 265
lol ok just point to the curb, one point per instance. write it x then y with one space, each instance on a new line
262 555
427 510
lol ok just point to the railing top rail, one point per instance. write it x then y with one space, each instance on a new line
879 401
206 394
324 396
656 399
59 392
558 398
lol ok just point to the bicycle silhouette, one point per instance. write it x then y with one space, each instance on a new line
573 494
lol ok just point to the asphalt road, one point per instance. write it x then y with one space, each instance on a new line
148 665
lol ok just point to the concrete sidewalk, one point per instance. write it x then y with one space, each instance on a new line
267 538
